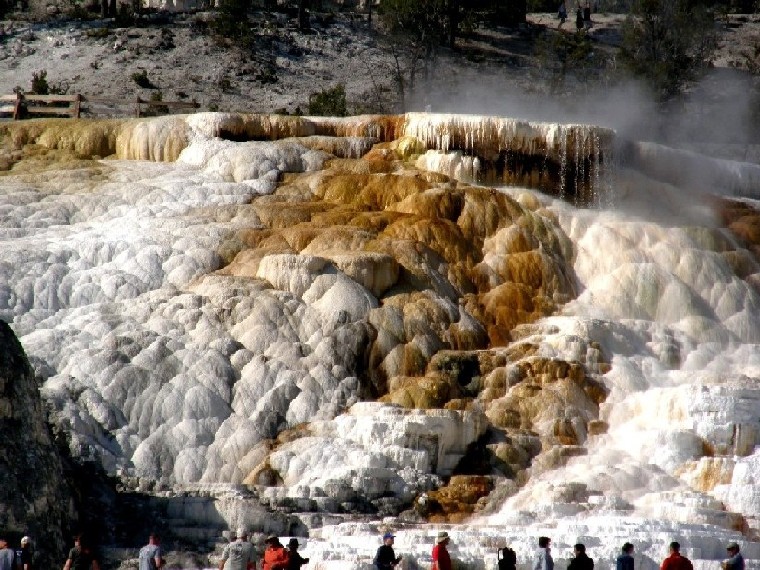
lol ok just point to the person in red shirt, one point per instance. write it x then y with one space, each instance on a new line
441 558
675 561
275 556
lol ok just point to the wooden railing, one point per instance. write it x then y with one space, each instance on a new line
22 105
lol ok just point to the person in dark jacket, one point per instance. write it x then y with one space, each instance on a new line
625 560
581 560
386 558
295 560
82 556
24 555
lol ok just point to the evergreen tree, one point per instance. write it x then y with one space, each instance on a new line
668 43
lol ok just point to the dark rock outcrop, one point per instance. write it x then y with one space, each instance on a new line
35 500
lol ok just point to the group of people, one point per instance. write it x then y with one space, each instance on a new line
386 558
20 559
582 16
625 561
240 555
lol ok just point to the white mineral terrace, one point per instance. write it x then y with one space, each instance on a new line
164 370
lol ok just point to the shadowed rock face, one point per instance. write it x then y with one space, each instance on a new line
35 495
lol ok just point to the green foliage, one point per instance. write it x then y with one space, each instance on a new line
329 103
157 97
563 55
225 84
98 33
422 22
741 6
81 11
41 86
39 83
231 21
668 43
543 5
125 16
267 74
141 78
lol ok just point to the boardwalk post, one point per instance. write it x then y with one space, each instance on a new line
17 107
77 105
137 107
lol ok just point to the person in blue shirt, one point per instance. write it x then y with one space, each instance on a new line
7 555
735 559
625 560
150 554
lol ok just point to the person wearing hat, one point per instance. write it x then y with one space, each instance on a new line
24 555
675 561
386 558
295 560
238 554
441 558
275 555
735 560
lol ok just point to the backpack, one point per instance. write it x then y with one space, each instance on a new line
507 559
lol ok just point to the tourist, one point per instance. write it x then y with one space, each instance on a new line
562 13
587 15
544 560
579 18
6 555
675 561
295 560
506 558
386 558
275 555
735 560
441 558
581 560
150 554
82 556
625 560
238 554
24 555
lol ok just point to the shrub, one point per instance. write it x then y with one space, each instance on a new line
98 33
40 85
141 78
668 44
231 22
330 102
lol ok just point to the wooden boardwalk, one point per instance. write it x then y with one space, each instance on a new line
23 106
